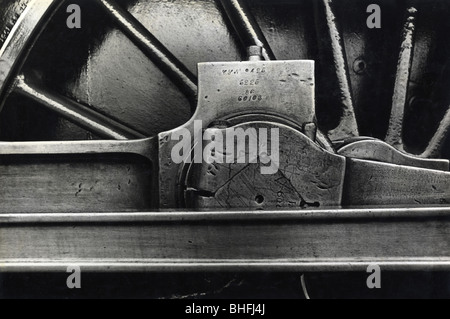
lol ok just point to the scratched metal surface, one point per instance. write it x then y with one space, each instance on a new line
137 93
11 11
99 66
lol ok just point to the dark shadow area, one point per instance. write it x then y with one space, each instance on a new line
226 286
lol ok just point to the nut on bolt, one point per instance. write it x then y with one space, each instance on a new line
255 53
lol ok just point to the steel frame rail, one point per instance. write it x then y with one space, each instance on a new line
314 240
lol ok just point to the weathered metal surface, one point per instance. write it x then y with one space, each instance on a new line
306 175
154 49
379 151
134 91
434 149
234 92
284 97
16 45
81 115
428 94
220 241
155 14
246 27
78 176
99 183
144 148
373 183
11 12
371 56
395 132
347 126
233 89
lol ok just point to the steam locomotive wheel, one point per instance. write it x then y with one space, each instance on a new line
130 72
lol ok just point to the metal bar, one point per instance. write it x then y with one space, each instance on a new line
348 126
436 144
246 27
168 266
76 113
395 132
203 242
374 183
336 215
138 147
154 49
382 152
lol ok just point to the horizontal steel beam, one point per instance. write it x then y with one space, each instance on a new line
142 147
173 216
311 240
173 266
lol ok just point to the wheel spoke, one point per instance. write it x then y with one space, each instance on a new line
79 114
348 126
246 26
154 49
395 131
434 149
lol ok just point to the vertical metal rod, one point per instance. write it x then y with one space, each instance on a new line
154 49
77 113
348 126
395 132
246 26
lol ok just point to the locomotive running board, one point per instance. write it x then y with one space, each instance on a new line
397 239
